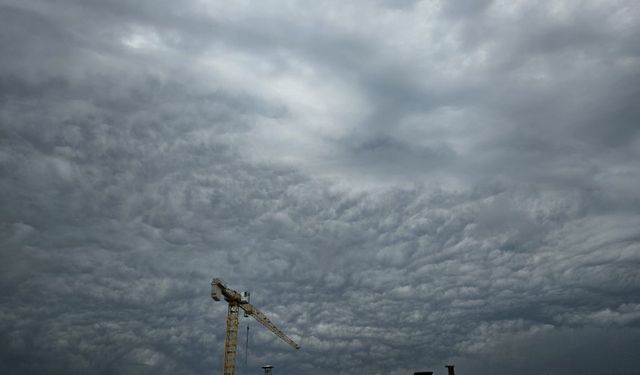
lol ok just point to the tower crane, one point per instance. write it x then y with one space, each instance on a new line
237 301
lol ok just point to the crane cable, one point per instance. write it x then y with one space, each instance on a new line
246 351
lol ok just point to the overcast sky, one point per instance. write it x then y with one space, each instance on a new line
400 184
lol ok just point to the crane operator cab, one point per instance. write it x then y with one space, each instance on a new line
245 297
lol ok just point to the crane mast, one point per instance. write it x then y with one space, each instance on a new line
237 301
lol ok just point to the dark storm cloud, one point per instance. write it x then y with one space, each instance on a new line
147 147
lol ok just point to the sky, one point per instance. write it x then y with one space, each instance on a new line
401 185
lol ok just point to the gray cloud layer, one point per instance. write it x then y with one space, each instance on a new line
399 184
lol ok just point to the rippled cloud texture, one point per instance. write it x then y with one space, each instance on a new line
400 184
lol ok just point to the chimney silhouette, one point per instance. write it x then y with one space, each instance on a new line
450 370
